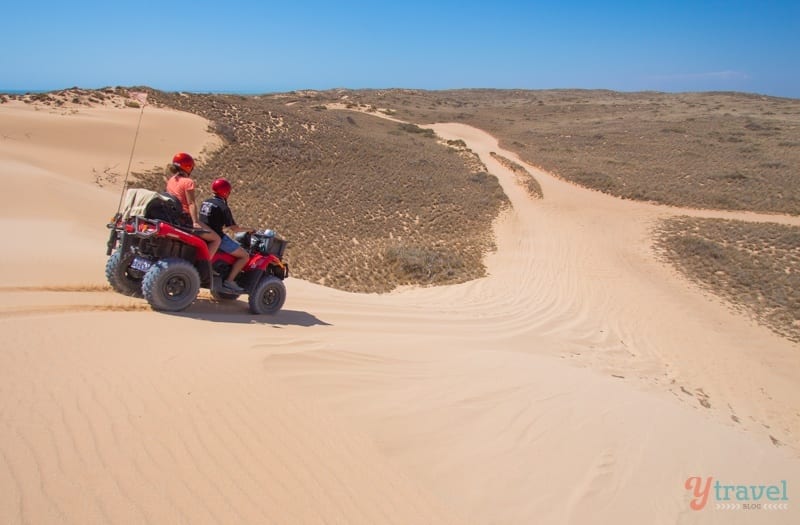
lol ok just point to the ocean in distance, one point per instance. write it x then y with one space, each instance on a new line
20 91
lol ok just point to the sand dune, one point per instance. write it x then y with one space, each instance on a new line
582 381
51 161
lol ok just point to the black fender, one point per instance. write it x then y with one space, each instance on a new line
249 279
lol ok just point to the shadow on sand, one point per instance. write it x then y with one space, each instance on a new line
237 312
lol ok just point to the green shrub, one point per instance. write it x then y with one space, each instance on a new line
413 128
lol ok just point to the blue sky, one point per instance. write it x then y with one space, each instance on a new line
266 46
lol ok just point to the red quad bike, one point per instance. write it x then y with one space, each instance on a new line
167 264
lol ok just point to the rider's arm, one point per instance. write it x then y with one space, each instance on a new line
193 208
230 223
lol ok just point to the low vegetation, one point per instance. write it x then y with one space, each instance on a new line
367 204
523 176
112 96
731 151
755 266
413 128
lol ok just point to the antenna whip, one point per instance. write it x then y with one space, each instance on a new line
140 97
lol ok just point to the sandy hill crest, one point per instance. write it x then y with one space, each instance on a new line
582 380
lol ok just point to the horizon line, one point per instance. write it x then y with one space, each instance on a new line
249 92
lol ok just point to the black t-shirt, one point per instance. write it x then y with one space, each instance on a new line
216 213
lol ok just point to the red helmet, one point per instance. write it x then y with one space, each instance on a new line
184 162
221 187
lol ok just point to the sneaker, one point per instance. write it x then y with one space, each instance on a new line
232 287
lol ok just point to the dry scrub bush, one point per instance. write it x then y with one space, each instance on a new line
523 176
416 265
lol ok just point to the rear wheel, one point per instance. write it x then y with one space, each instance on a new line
268 296
171 285
120 275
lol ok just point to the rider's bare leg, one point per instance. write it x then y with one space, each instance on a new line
213 241
241 259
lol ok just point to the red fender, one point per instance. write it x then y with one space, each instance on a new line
262 262
224 257
200 245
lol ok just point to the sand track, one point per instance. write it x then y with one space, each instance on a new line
582 381
573 278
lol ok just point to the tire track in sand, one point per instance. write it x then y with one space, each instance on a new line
578 265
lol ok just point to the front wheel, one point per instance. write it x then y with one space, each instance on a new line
120 275
171 285
268 296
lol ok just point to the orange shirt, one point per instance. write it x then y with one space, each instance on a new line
178 186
